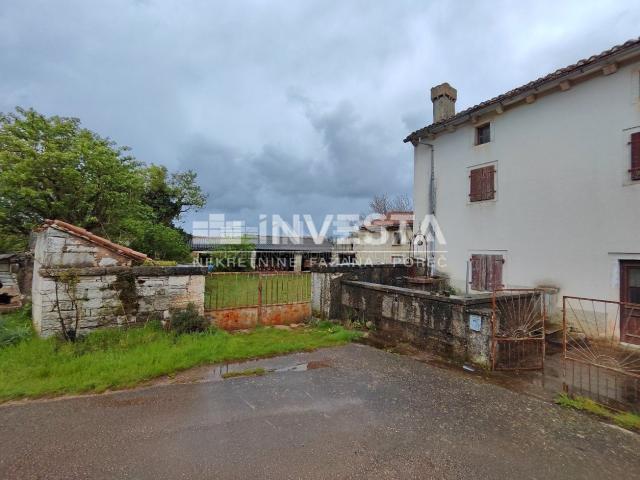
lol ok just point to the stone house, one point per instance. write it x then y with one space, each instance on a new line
385 240
84 281
539 186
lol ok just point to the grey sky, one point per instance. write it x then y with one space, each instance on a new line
284 106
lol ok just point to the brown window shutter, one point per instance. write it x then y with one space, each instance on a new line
490 188
635 156
477 270
494 274
475 185
482 184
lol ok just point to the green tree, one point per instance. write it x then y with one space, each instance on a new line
171 195
159 241
51 167
233 257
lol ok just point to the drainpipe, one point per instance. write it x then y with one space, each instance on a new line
432 202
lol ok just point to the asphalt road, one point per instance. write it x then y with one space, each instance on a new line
364 414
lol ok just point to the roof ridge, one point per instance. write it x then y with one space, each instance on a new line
555 75
93 238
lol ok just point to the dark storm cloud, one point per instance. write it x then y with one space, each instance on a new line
284 107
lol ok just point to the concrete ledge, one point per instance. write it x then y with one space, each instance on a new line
482 298
141 271
356 268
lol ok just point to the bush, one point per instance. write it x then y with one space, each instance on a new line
188 321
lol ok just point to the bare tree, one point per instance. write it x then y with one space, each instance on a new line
401 203
382 204
379 204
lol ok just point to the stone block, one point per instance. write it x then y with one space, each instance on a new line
107 262
71 247
174 281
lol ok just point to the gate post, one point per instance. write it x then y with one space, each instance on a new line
259 321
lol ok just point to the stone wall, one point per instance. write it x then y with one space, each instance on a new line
326 284
112 296
75 279
440 324
10 295
238 318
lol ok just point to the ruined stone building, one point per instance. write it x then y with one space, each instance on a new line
84 281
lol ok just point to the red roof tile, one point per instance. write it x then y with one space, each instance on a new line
103 242
391 219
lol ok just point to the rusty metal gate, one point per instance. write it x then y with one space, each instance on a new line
517 329
238 300
596 363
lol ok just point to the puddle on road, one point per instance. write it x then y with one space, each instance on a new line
218 373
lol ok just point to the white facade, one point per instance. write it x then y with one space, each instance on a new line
565 210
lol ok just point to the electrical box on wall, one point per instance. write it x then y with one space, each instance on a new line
475 322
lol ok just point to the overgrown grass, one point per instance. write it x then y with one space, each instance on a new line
122 358
15 327
626 420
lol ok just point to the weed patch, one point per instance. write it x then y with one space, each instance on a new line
628 420
15 327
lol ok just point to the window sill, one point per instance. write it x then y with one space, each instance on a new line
482 202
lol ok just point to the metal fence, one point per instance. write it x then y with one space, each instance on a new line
517 329
596 363
249 289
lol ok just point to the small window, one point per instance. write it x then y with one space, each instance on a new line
483 134
635 156
486 272
482 184
397 238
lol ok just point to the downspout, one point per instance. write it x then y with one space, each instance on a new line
432 204
432 178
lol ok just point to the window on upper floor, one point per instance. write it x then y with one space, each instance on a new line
483 134
397 238
482 183
634 169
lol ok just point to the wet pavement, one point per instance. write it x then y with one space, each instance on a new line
346 412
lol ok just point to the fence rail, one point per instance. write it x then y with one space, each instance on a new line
249 289
596 364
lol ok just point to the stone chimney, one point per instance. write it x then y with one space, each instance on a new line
444 98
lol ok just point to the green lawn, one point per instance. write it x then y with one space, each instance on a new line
224 290
122 358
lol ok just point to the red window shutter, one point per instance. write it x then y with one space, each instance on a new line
477 270
635 156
